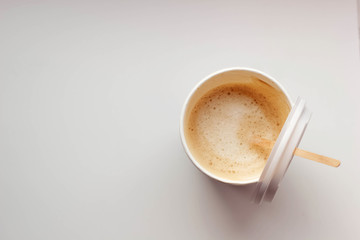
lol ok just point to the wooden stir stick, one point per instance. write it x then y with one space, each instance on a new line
266 143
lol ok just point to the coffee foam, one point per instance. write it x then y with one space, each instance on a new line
223 123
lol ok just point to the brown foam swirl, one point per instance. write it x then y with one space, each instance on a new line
223 122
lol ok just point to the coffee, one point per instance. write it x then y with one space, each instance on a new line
221 125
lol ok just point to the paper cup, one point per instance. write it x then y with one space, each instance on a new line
226 76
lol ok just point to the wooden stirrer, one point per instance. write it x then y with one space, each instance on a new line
266 143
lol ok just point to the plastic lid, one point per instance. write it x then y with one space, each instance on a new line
282 152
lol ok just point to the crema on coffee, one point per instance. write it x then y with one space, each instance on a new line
223 122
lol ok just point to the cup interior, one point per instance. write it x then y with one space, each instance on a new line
227 76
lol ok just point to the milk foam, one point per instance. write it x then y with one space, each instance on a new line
223 123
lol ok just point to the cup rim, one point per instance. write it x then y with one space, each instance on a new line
182 132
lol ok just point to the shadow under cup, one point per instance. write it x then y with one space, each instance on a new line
223 77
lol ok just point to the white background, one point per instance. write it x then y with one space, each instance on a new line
90 101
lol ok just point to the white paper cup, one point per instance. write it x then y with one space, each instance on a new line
226 76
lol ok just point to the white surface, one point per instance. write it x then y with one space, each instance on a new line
90 100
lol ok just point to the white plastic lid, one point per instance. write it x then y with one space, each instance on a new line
282 152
